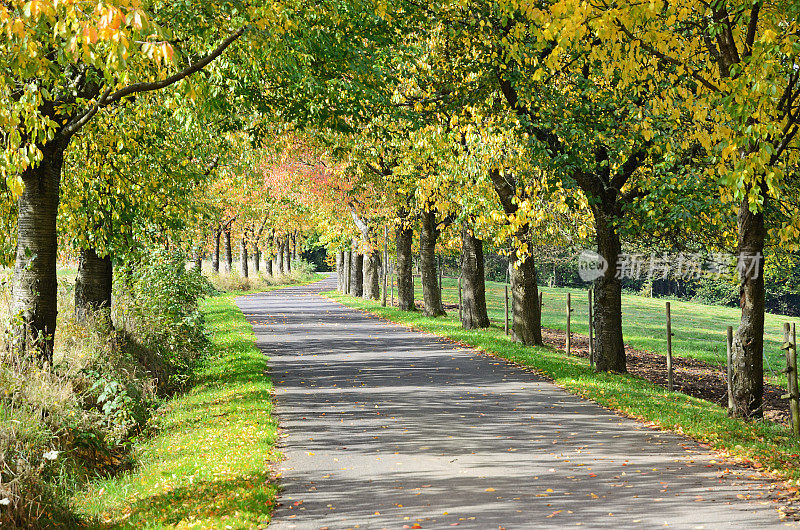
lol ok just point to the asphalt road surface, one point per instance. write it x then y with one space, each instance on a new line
383 427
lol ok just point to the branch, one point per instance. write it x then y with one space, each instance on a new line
109 98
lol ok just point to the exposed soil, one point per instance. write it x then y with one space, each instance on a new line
691 377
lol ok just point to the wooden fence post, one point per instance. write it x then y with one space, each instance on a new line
790 345
591 329
670 376
506 310
730 367
569 321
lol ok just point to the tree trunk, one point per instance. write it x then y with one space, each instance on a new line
348 262
35 286
287 258
430 280
215 254
243 258
92 285
228 251
256 258
747 381
357 274
405 265
198 259
609 349
268 263
340 271
473 284
372 262
527 323
279 257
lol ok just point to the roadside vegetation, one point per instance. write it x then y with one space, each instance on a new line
134 397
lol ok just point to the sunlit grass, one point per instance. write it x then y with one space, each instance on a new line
207 461
699 329
769 445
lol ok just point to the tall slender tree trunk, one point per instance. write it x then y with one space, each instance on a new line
243 258
372 262
340 271
473 283
609 345
405 267
93 285
256 258
295 255
747 361
228 251
431 293
287 258
35 286
215 254
198 260
348 262
279 257
357 274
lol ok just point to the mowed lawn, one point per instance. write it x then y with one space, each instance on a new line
699 330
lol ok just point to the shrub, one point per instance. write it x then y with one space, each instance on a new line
63 424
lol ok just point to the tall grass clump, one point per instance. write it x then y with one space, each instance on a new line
302 271
68 422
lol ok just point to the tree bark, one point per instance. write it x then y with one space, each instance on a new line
287 258
609 348
256 257
473 284
228 266
527 323
340 271
430 279
372 262
243 258
348 262
279 257
35 288
215 254
93 285
747 381
357 274
405 279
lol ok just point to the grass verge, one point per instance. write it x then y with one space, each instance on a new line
699 329
763 444
206 460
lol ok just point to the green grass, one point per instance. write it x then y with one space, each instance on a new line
207 462
766 444
699 330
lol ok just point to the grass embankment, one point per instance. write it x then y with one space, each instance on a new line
207 461
699 329
766 444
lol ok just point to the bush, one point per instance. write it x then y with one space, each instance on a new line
161 311
719 291
63 424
